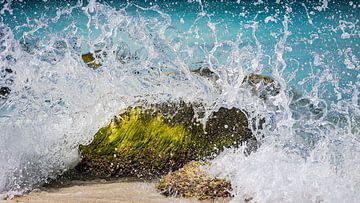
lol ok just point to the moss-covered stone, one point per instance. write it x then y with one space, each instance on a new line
193 181
261 85
256 78
92 60
149 142
138 142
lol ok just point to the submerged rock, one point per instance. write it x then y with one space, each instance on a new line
261 85
92 60
6 79
204 71
193 181
149 142
256 78
4 92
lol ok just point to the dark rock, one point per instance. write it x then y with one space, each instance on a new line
4 92
92 60
227 122
261 85
205 72
8 70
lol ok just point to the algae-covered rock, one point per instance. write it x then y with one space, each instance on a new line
224 127
256 78
137 142
193 181
92 60
149 142
261 85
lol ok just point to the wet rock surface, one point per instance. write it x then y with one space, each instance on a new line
93 60
192 181
150 142
261 85
6 81
4 92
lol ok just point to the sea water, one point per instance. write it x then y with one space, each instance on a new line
52 101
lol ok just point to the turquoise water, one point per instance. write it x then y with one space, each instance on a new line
313 33
54 102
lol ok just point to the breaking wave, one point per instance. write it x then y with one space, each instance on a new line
51 100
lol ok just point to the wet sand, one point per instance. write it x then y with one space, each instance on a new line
101 191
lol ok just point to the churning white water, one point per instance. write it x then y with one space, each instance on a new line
51 101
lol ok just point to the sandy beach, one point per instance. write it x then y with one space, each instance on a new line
101 191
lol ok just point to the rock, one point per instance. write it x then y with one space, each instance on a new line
256 78
193 181
261 85
149 142
226 122
204 71
6 79
122 55
92 60
8 70
4 92
135 143
29 44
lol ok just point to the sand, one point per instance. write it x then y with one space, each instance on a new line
101 191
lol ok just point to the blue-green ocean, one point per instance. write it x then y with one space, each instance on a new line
51 101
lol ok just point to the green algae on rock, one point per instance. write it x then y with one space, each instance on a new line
92 60
257 78
149 142
261 85
193 181
138 142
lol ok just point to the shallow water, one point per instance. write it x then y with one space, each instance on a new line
310 148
